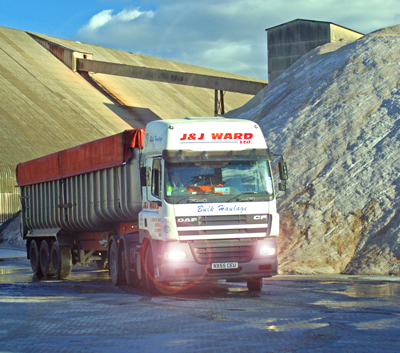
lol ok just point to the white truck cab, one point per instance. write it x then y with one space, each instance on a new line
209 204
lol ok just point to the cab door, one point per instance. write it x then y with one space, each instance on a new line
151 214
154 179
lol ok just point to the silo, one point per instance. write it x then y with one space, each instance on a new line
289 41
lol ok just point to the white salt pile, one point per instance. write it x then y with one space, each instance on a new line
335 115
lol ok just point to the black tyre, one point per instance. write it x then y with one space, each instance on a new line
115 264
254 284
148 272
149 283
45 259
131 277
35 258
61 260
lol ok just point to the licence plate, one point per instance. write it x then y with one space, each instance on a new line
224 265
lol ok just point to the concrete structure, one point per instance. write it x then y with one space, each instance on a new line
168 76
47 106
290 41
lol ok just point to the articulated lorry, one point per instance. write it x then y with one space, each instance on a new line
183 201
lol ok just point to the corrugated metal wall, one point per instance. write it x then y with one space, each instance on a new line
290 41
9 194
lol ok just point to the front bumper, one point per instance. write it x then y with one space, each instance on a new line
191 270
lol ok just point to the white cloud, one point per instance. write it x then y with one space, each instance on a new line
221 50
129 15
226 35
106 17
99 20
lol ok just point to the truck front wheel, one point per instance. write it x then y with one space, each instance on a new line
149 282
61 260
254 284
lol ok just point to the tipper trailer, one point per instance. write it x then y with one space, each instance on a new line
183 201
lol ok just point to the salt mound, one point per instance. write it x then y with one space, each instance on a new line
10 232
335 115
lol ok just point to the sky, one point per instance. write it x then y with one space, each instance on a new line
226 35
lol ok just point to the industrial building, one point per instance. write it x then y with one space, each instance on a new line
58 93
289 41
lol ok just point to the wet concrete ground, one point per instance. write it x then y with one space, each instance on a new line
85 313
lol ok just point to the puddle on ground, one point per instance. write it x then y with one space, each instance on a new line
379 324
349 304
15 273
20 299
237 289
180 343
372 290
273 325
8 270
93 276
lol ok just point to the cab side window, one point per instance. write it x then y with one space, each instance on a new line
156 179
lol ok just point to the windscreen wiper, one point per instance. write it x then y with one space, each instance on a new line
189 200
197 200
238 197
181 200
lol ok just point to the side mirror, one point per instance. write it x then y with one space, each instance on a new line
283 173
283 170
282 186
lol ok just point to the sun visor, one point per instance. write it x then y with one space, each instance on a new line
183 156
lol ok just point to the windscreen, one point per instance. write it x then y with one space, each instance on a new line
233 181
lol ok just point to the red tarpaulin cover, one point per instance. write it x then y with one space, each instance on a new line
100 154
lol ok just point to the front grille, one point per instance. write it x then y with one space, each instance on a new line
223 220
215 251
223 231
238 224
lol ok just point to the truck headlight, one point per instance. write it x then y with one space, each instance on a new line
175 255
267 251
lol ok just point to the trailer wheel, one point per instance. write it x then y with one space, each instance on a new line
35 258
115 264
150 284
61 260
254 284
45 259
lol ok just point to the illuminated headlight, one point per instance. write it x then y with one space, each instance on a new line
176 255
267 251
